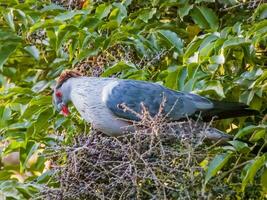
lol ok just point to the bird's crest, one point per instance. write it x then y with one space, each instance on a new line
65 75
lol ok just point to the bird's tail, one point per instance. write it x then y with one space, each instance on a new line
215 135
220 138
223 110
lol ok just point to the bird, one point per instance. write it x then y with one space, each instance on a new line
103 101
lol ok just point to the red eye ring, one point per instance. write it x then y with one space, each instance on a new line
58 94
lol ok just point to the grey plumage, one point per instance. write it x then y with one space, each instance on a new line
132 93
98 101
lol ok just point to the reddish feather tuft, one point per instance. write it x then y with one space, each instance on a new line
58 94
64 76
65 111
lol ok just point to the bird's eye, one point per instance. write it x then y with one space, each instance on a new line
58 94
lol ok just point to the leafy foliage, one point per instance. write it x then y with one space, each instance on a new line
200 46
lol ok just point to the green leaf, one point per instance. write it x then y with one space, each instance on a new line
45 24
199 1
103 10
52 7
28 152
172 77
184 10
4 175
51 34
259 80
118 13
14 146
119 67
136 75
256 164
235 42
190 84
33 51
216 87
5 113
9 17
176 77
191 49
257 135
40 86
84 54
19 125
205 18
229 2
192 70
139 46
146 14
208 40
259 28
5 52
20 90
264 180
212 68
217 59
41 100
8 190
62 33
91 23
241 147
45 177
173 39
247 130
216 165
261 12
42 122
7 37
69 15
30 112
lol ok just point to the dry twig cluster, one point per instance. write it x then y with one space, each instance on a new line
95 65
159 161
70 4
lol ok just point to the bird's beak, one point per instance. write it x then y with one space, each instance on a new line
64 110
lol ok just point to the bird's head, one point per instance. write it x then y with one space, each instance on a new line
61 94
60 102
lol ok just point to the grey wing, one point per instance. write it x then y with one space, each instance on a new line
134 93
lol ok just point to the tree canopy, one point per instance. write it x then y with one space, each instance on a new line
213 48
